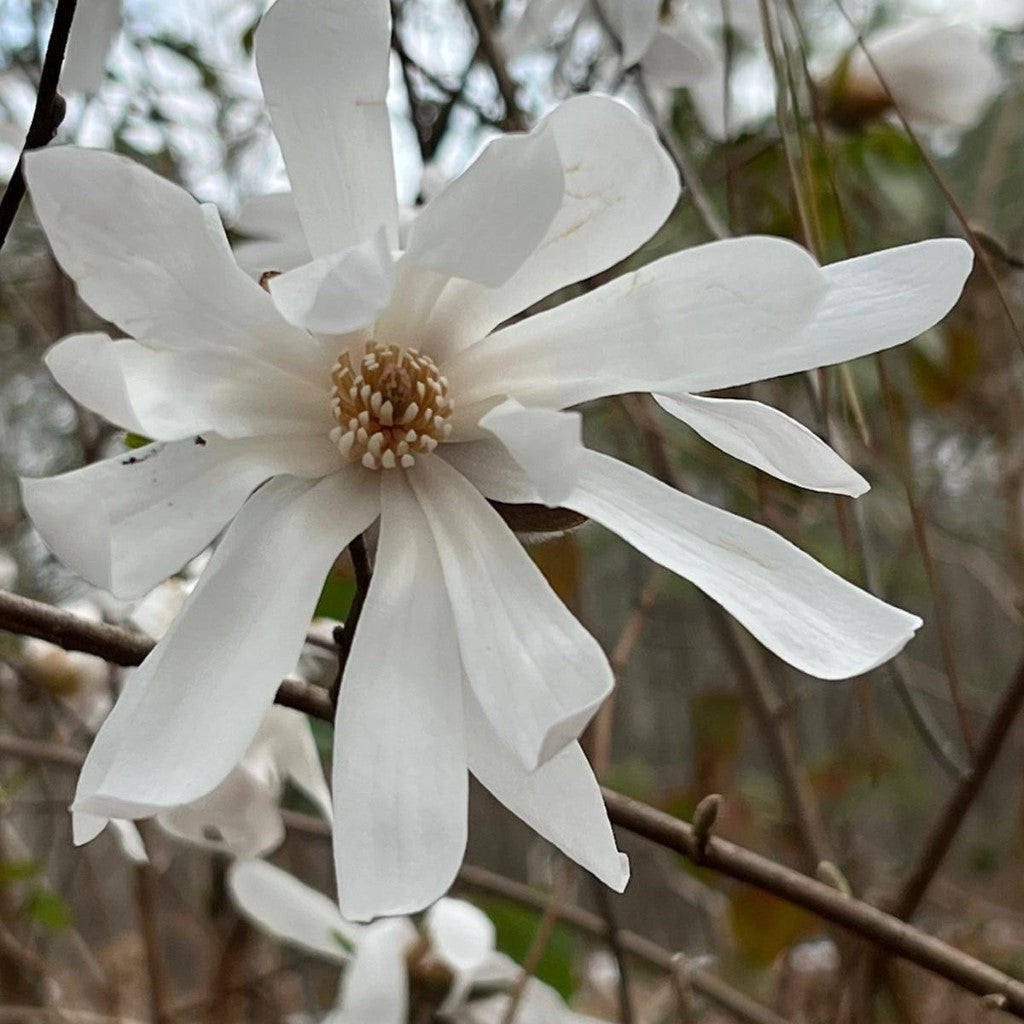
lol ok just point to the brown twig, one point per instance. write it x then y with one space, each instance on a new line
483 22
48 113
960 800
895 937
344 634
612 934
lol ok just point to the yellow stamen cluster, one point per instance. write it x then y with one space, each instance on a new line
392 404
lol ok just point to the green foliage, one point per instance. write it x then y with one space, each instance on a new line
48 909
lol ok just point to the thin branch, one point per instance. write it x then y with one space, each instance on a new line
46 117
604 904
894 936
889 933
960 800
483 22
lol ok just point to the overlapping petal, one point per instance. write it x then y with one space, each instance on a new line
140 516
149 258
561 800
633 23
806 614
189 712
768 439
280 904
680 53
620 187
688 316
538 674
400 783
510 195
93 31
375 989
324 69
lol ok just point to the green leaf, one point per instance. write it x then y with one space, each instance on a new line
48 910
516 927
336 598
134 441
18 870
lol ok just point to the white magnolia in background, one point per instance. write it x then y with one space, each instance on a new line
453 952
93 30
375 385
940 74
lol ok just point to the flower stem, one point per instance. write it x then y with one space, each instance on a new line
344 635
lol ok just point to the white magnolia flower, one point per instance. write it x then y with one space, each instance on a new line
8 571
940 75
454 955
93 31
365 387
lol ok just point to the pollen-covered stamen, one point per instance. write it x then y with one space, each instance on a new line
391 405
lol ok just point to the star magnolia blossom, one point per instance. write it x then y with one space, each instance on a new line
454 955
940 75
366 387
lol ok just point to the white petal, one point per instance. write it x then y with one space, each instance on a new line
690 315
129 522
620 186
540 1004
806 614
240 817
463 938
399 777
150 259
128 839
272 235
633 23
494 215
87 367
560 800
768 439
175 394
93 29
324 69
680 53
291 911
938 73
375 989
294 754
547 445
538 674
490 468
871 303
339 293
189 712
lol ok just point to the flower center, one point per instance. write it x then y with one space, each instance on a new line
393 403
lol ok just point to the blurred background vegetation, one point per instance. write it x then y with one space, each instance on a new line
855 772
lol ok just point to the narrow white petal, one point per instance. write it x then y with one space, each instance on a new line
87 368
149 258
538 674
399 776
282 906
189 712
620 186
768 439
294 754
240 817
93 30
462 936
324 69
375 989
560 800
131 521
490 468
806 614
871 303
489 220
691 315
633 23
339 293
175 394
547 445
128 839
680 53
